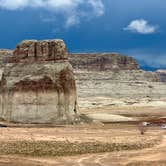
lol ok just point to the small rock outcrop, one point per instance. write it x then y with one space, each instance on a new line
38 84
103 62
3 55
162 75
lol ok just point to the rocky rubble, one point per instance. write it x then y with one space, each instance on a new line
38 85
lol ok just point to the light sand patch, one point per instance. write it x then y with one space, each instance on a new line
106 118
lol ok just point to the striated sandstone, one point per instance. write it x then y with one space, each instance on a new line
4 54
162 75
39 51
103 62
96 89
102 78
38 84
112 79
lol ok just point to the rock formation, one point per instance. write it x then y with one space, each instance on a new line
38 84
113 79
40 80
103 62
162 75
3 55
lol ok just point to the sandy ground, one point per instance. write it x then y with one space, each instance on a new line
114 133
135 111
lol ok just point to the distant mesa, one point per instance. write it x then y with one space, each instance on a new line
103 62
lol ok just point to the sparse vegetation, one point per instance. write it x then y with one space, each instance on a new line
142 128
66 148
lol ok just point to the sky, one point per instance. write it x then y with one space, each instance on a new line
135 28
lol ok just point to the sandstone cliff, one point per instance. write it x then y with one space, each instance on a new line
162 75
3 55
108 79
103 62
100 78
38 84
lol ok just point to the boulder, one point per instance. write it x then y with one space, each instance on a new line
38 84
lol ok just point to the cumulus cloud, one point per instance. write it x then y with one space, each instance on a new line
149 57
153 60
54 4
141 26
72 10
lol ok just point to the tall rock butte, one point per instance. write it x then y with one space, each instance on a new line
38 85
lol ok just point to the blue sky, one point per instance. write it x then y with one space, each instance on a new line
132 27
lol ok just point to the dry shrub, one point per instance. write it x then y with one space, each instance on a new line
142 128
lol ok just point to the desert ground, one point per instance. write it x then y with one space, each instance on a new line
92 144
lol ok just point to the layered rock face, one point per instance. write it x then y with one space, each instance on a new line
38 84
108 79
3 55
33 50
162 75
103 62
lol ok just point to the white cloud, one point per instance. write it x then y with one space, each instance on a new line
98 6
153 60
141 26
54 4
72 10
72 20
148 57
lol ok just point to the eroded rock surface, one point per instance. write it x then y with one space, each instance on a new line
39 68
4 54
113 79
33 50
38 84
162 75
103 62
100 88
